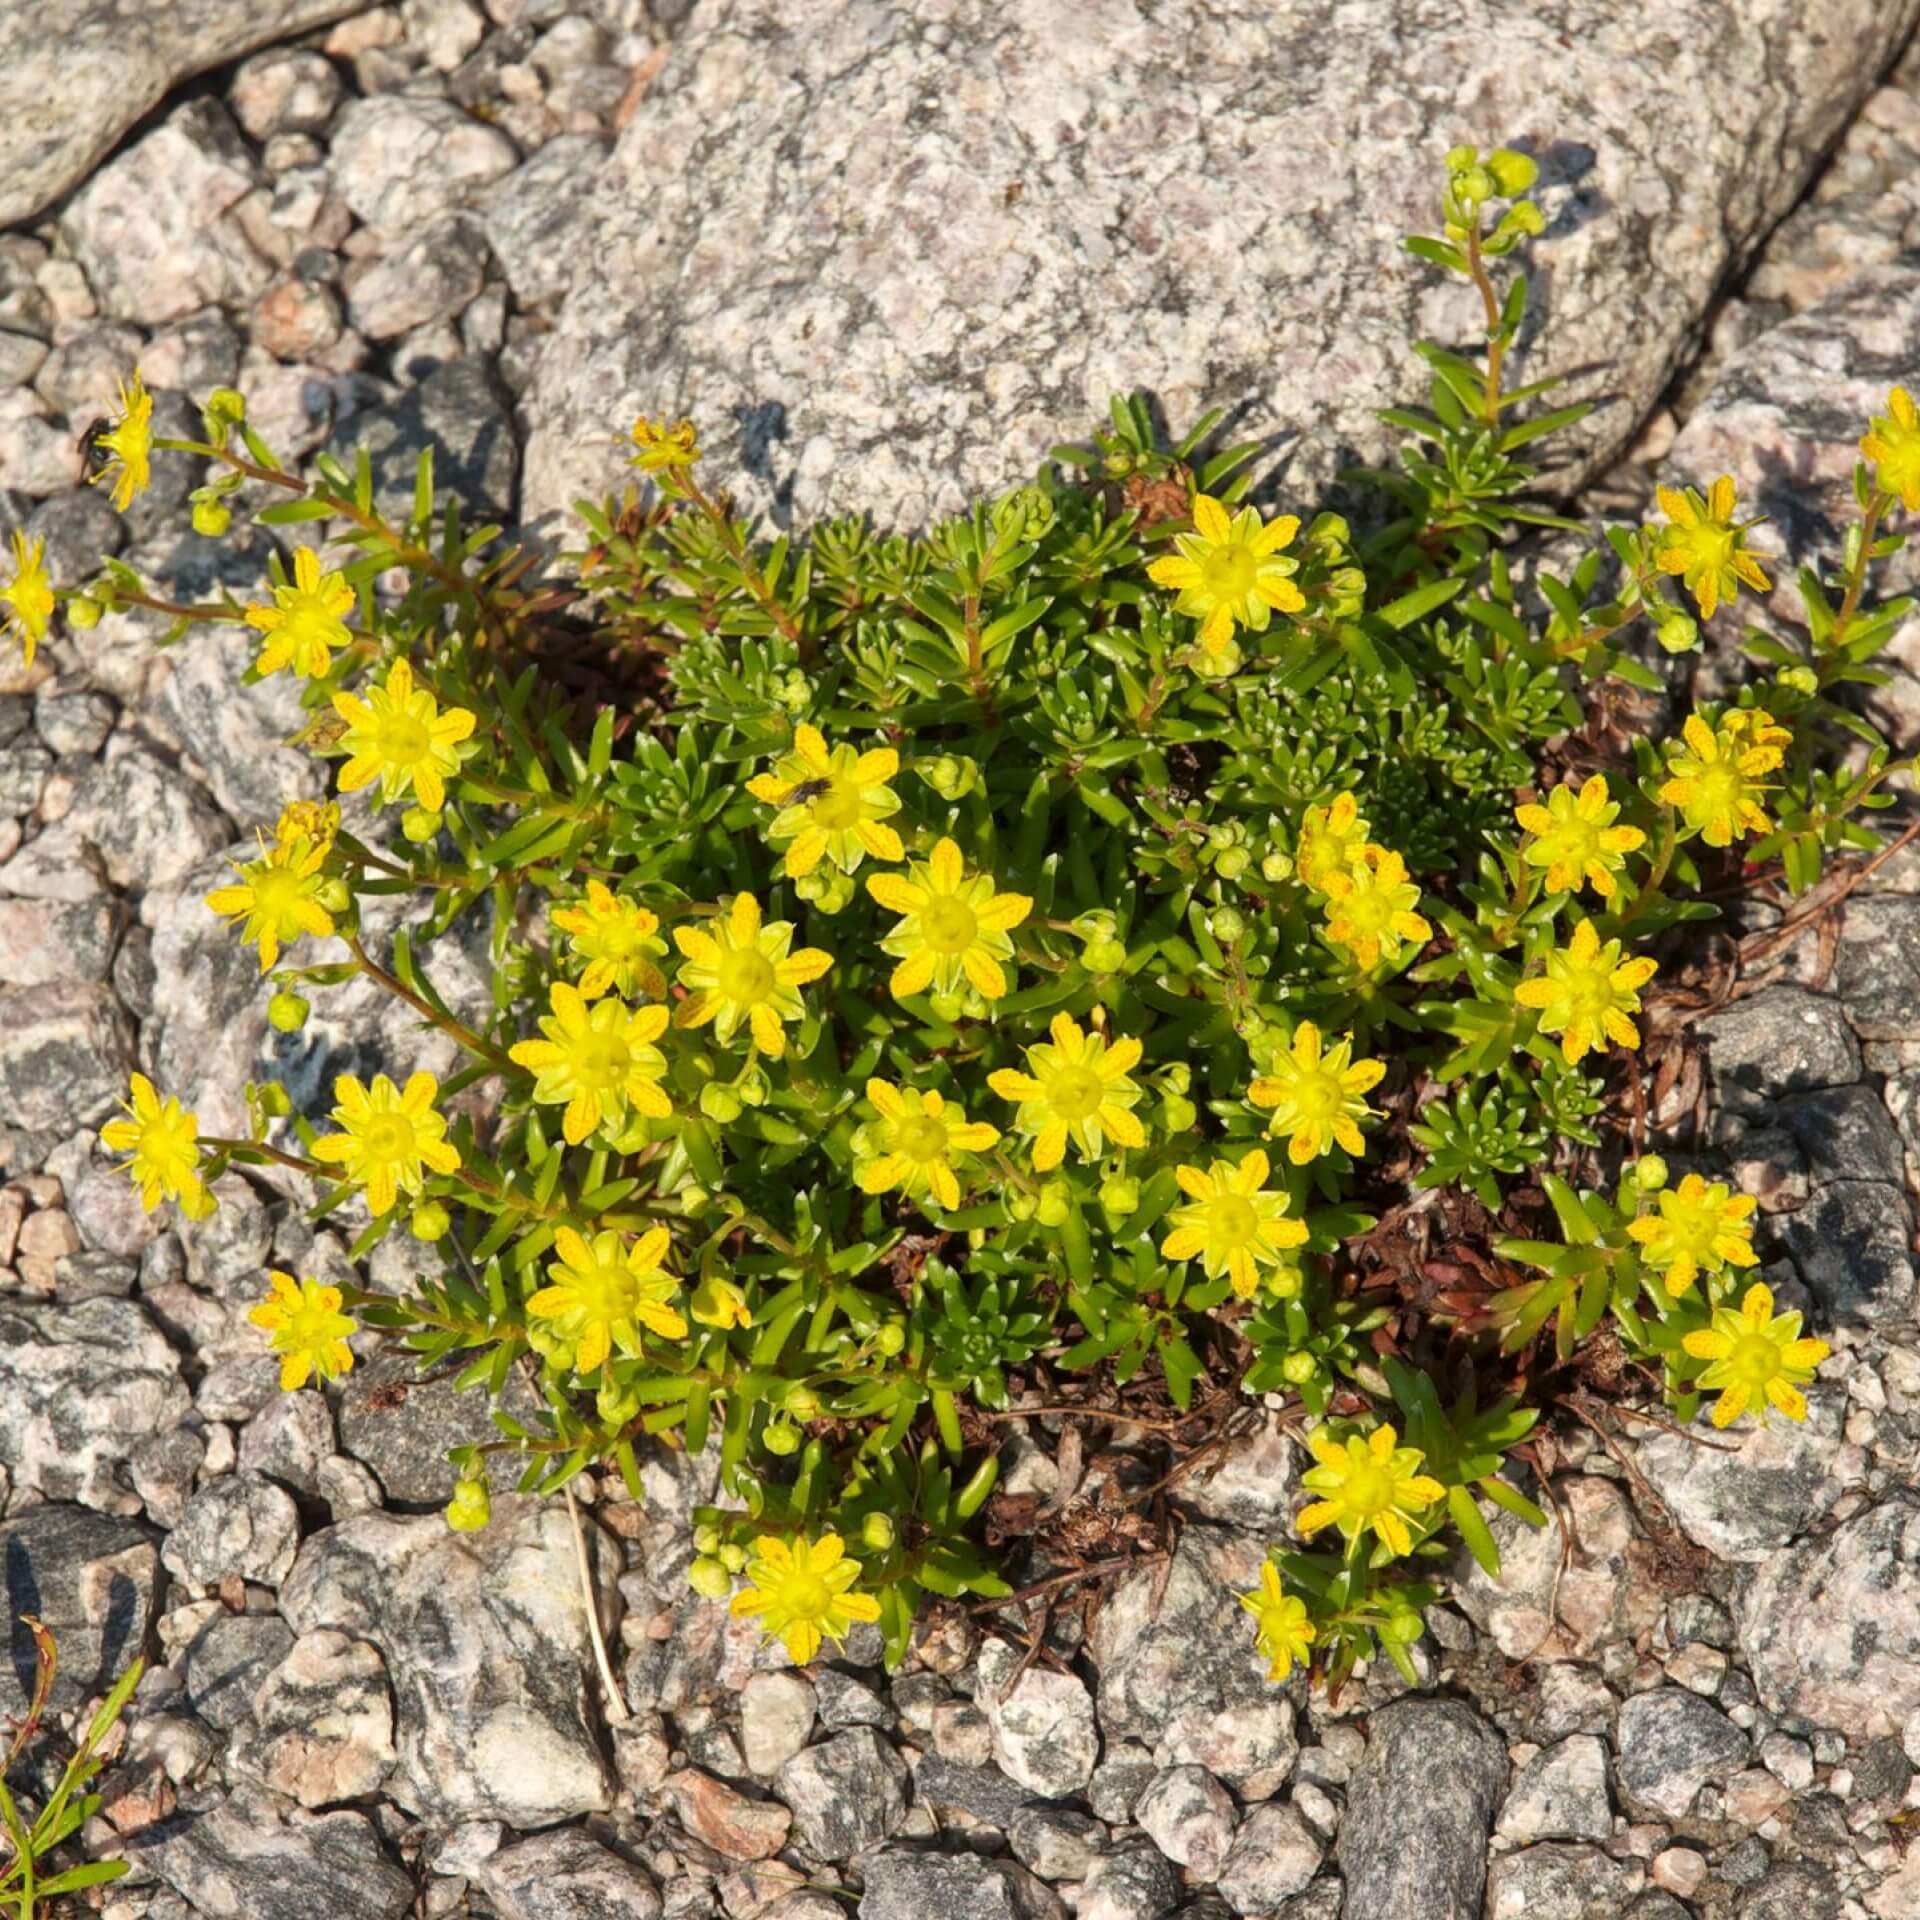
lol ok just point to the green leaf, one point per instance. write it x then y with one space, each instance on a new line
1419 602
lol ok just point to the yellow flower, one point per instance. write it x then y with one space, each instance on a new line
1371 1485
916 1138
831 802
663 447
390 1137
131 443
308 1328
1575 838
278 898
1318 1099
1586 994
717 1302
1755 1356
801 1593
28 596
1717 776
953 925
603 1292
165 1143
399 736
1332 843
1370 910
738 969
597 1059
615 937
312 822
1698 1227
1230 571
1077 1089
307 620
1894 448
1706 548
1234 1226
1284 1630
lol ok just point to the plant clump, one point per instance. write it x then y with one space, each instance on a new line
1043 962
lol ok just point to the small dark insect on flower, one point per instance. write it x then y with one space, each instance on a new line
97 456
805 791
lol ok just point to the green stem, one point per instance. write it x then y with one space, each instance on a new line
464 1036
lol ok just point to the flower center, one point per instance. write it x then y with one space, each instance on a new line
923 1137
276 892
1233 1222
807 1596
949 924
606 1292
603 1060
1074 1093
388 1136
1590 994
402 740
1228 573
1368 1489
745 975
1318 1096
617 939
1712 546
838 807
1721 786
1754 1359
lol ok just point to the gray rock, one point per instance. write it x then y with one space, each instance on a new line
1877 970
749 240
78 76
320 1729
433 276
917 1886
1182 1676
162 1469
1131 1882
83 377
1055 1842
66 1050
1043 1726
80 1387
225 1664
72 722
153 229
149 826
290 1439
1793 1890
1413 1843
1852 1244
1776 1484
1275 1855
23 778
285 90
1251 1482
44 942
1559 1883
91 1580
984 1794
1779 1041
461 412
847 1794
1561 1794
239 733
38 455
1190 1817
80 529
240 1857
542 217
400 159
1845 1134
1670 1743
1831 1627
240 1524
776 1719
567 1875
402 1426
845 1700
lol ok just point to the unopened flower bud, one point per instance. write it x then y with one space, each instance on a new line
470 1508
1298 1368
1800 679
891 1339
211 518
420 825
802 1402
287 1012
1233 863
1178 1112
430 1222
706 1538
1056 1197
948 1006
1649 1173
1227 923
1678 632
83 612
720 1103
1104 956
1120 1195
709 1579
734 1558
335 895
781 1438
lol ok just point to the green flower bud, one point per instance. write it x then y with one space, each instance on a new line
948 1006
720 1103
1120 1195
733 1558
709 1579
1475 185
1298 1368
802 1402
1104 956
1649 1173
1227 923
1056 1197
419 825
706 1538
83 613
891 1339
470 1508
876 1533
430 1222
782 1439
211 518
1233 863
1284 1283
1178 1112
1276 867
1021 1205
1459 159
287 1012
1678 632
1800 679
796 692
753 1086
1515 172
335 895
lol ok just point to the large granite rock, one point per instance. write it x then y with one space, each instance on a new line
79 74
888 251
